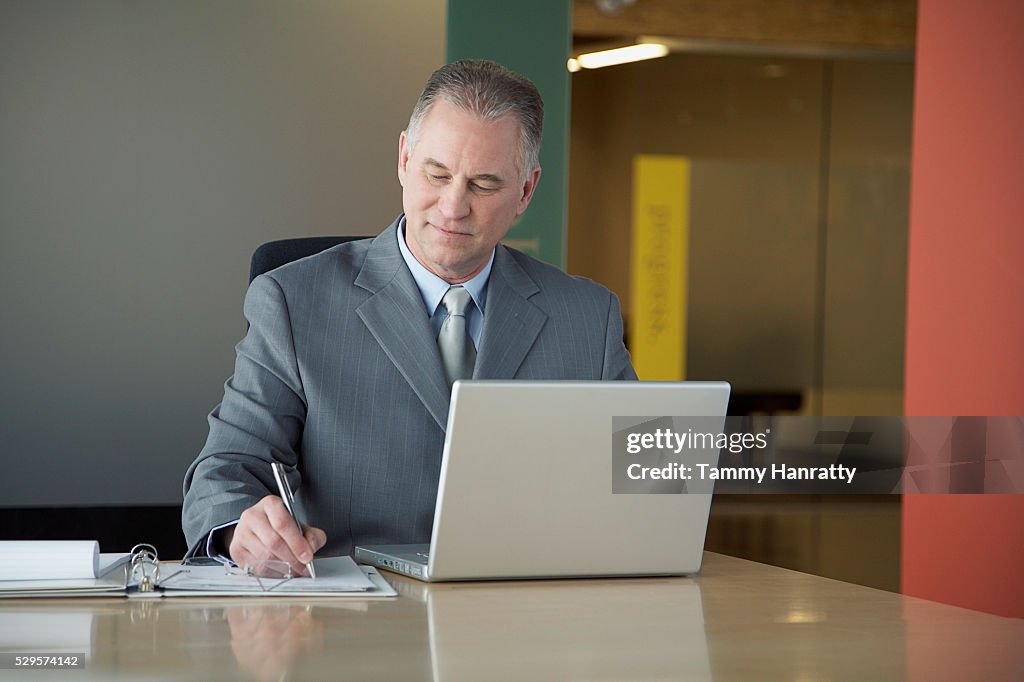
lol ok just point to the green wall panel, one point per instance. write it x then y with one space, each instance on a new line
533 37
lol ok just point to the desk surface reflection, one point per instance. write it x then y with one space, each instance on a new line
738 620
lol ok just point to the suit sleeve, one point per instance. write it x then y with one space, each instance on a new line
259 421
617 364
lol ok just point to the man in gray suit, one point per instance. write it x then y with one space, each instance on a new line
340 376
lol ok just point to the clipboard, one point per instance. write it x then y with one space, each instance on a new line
144 576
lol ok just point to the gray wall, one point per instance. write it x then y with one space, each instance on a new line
146 148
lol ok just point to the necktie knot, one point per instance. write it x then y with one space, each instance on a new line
456 300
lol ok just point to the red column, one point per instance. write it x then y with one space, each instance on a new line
965 295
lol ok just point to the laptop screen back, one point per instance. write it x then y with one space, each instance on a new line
526 482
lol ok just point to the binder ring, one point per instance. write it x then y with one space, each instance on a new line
145 567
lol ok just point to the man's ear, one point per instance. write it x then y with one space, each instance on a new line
403 158
529 187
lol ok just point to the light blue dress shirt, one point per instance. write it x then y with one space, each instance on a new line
433 288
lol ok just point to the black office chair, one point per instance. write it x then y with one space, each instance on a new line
275 254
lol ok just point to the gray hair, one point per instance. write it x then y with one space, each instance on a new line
488 90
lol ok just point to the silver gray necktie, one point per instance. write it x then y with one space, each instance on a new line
457 352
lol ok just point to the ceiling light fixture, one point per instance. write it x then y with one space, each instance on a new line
620 55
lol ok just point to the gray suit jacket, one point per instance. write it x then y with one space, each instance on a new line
340 377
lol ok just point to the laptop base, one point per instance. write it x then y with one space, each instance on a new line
410 560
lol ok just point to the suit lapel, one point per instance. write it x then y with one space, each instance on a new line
511 322
395 316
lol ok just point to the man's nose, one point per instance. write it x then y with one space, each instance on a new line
454 202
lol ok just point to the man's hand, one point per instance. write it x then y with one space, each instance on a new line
267 531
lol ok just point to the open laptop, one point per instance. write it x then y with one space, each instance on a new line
526 485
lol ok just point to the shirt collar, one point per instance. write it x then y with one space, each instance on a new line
433 288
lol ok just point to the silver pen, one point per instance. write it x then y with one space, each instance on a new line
289 502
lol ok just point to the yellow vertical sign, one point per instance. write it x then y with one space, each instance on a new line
661 236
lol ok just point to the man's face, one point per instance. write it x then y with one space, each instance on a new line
461 189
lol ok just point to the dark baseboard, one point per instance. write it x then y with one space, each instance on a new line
117 529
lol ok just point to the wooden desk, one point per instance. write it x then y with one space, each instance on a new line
739 620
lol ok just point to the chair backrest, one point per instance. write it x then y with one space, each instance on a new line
275 254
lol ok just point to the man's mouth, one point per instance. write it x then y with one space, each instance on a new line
450 231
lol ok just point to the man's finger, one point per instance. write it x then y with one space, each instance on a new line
263 535
316 537
274 545
246 547
282 522
242 548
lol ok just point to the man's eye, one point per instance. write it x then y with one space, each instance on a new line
483 188
437 178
